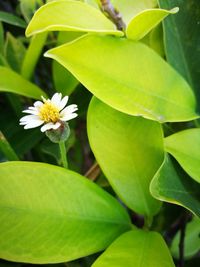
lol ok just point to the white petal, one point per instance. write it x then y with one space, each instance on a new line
49 126
33 112
29 118
69 116
38 104
56 99
68 110
33 124
63 102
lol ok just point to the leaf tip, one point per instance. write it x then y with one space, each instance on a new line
174 10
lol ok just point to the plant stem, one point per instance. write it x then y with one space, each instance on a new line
63 154
113 14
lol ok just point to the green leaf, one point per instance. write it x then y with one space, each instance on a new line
64 81
182 40
14 52
70 15
28 8
12 19
6 148
128 157
32 54
12 82
191 241
49 214
1 38
156 40
136 248
172 185
184 146
145 21
128 76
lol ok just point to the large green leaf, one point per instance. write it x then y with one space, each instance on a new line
128 157
182 40
70 15
136 248
191 241
145 21
12 82
128 76
49 214
172 185
184 146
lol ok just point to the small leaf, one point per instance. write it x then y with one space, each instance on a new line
28 8
1 38
136 248
12 82
184 146
145 21
12 19
191 241
174 186
6 148
128 157
14 52
70 15
128 76
49 214
32 54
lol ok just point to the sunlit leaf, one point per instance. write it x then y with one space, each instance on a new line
145 21
172 185
128 76
12 82
136 248
70 16
49 214
184 146
127 155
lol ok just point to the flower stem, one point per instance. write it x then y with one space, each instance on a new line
63 154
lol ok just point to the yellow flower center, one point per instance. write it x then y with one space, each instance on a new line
49 113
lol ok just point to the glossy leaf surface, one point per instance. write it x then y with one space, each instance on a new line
12 82
183 42
128 157
70 15
54 215
136 248
172 185
145 21
184 146
157 92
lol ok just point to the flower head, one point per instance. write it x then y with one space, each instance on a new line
50 112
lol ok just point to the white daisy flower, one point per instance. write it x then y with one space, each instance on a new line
51 112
